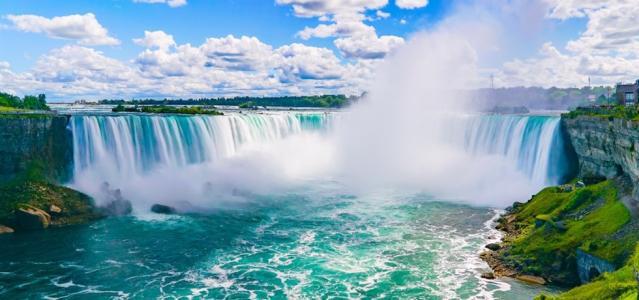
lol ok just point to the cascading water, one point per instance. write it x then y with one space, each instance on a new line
531 143
319 241
119 149
136 144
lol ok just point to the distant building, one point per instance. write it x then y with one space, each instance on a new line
627 94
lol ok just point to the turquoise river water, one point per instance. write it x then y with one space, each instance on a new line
314 241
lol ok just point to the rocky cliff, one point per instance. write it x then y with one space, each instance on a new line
605 147
35 143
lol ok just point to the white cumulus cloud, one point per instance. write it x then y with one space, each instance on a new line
156 39
171 3
83 28
411 4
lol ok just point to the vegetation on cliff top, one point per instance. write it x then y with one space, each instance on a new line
10 102
558 221
334 101
609 112
162 109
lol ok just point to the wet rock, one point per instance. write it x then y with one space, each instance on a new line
32 218
163 209
118 207
5 229
493 246
54 209
531 279
488 275
116 204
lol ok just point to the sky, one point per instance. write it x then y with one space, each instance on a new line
95 49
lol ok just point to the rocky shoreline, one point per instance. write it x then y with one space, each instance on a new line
493 255
576 236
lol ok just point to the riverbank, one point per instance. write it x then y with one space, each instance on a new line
582 235
36 155
567 236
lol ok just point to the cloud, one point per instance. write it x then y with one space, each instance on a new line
301 62
318 8
368 46
239 54
566 9
220 66
171 3
606 51
156 39
354 38
76 64
83 28
382 14
411 4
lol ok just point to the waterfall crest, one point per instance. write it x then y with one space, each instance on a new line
136 144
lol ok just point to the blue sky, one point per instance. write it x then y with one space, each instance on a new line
192 23
86 49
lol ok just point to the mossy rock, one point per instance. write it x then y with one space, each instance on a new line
621 284
75 207
557 223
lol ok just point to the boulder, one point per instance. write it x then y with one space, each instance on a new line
493 246
531 279
118 207
54 209
32 218
488 275
580 184
5 229
163 209
116 204
566 188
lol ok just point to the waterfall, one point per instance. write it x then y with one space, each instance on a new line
136 144
532 143
152 151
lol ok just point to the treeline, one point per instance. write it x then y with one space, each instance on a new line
545 98
163 109
28 102
325 101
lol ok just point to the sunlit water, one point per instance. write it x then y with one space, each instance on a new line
315 240
295 246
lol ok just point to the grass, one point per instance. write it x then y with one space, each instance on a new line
554 224
9 109
620 284
591 215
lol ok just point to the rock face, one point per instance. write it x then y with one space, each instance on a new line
589 267
605 148
31 218
35 141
